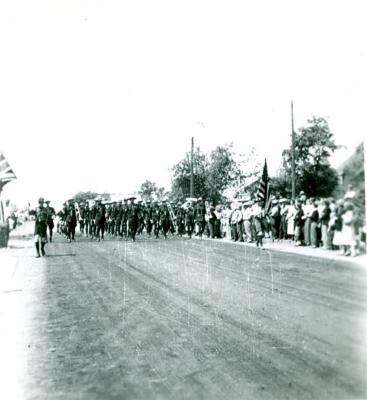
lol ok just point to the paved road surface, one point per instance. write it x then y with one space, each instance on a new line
180 319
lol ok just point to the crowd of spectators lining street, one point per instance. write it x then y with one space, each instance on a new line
327 223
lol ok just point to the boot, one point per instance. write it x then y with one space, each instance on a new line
43 249
38 250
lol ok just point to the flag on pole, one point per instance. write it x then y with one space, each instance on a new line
263 191
6 173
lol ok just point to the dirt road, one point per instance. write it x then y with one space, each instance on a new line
181 319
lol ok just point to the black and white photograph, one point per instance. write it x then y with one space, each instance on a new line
182 200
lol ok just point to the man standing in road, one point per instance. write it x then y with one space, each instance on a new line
50 218
124 214
40 227
156 212
71 220
190 219
148 214
133 218
100 219
200 216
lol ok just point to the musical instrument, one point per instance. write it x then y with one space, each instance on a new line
171 214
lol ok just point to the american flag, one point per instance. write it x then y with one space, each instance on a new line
263 191
6 173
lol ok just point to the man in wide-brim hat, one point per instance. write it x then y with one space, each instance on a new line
247 220
40 227
50 218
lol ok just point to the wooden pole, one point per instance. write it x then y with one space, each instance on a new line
192 169
293 158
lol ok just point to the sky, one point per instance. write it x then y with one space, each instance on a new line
103 94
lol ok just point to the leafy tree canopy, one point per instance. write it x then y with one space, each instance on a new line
314 145
182 172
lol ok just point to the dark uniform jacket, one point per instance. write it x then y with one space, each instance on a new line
40 226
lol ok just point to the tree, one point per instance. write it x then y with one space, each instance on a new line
314 145
281 185
319 182
352 172
147 191
161 193
247 174
222 172
181 176
81 197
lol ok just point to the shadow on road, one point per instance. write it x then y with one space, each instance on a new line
61 255
12 246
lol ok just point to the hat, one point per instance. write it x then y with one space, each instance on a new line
41 200
47 201
132 198
274 201
348 205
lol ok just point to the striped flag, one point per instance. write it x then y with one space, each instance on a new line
263 191
6 173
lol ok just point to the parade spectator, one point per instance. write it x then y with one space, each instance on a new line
290 220
275 218
217 222
314 222
239 225
302 197
258 214
331 227
336 224
298 223
211 222
247 220
236 222
225 223
283 218
307 211
324 224
349 237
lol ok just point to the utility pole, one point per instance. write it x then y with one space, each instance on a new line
293 158
192 169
